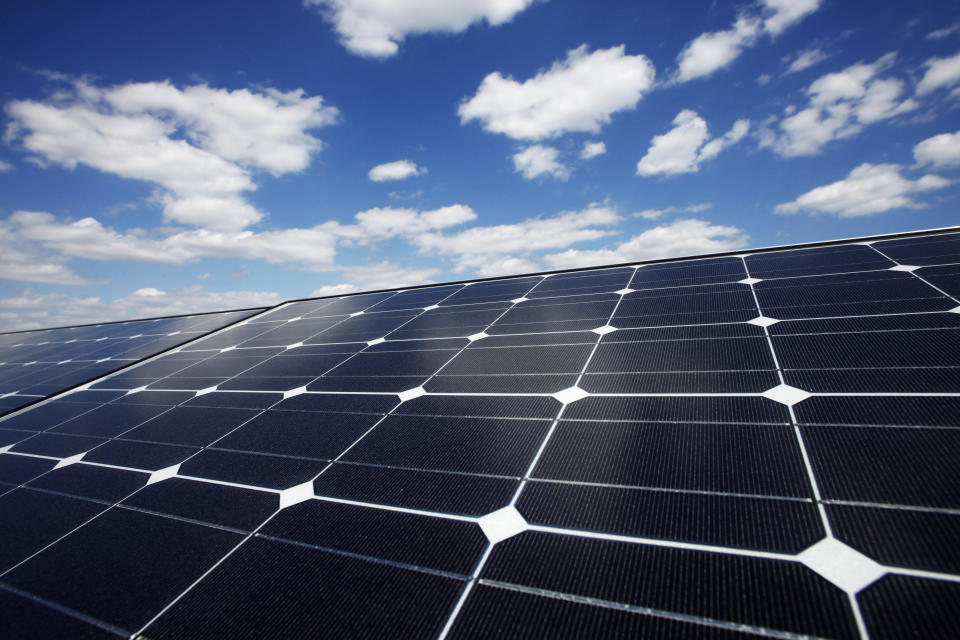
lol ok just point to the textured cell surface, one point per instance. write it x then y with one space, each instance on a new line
730 446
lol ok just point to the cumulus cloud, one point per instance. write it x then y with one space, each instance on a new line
387 275
537 160
939 151
709 52
840 105
592 150
804 60
578 93
656 214
779 15
388 222
683 148
199 146
679 238
39 245
398 170
32 310
334 290
480 247
941 72
5 166
375 28
869 189
939 34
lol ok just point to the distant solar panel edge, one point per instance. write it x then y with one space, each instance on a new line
84 375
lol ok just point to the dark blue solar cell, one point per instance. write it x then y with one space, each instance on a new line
45 416
235 400
945 278
307 434
110 420
139 455
25 618
688 273
124 566
470 445
895 349
516 360
431 491
57 445
712 410
886 465
16 469
500 383
750 459
192 426
400 363
434 543
810 262
731 588
206 502
899 537
491 611
259 470
938 249
785 526
367 599
35 519
8 437
481 406
90 481
903 607
339 403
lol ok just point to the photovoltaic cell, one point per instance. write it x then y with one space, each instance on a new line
39 364
755 444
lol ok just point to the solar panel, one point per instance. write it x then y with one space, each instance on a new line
755 444
38 364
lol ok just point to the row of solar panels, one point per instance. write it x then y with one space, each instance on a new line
741 444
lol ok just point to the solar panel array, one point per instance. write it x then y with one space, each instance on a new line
756 444
38 364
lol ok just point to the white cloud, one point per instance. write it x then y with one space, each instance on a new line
375 28
592 150
479 246
709 52
579 93
840 105
506 267
537 160
398 170
5 166
941 72
679 238
782 14
943 33
198 145
804 60
38 245
683 148
31 310
869 189
764 79
387 275
334 290
389 222
939 151
656 214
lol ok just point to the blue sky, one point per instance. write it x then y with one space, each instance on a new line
174 157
